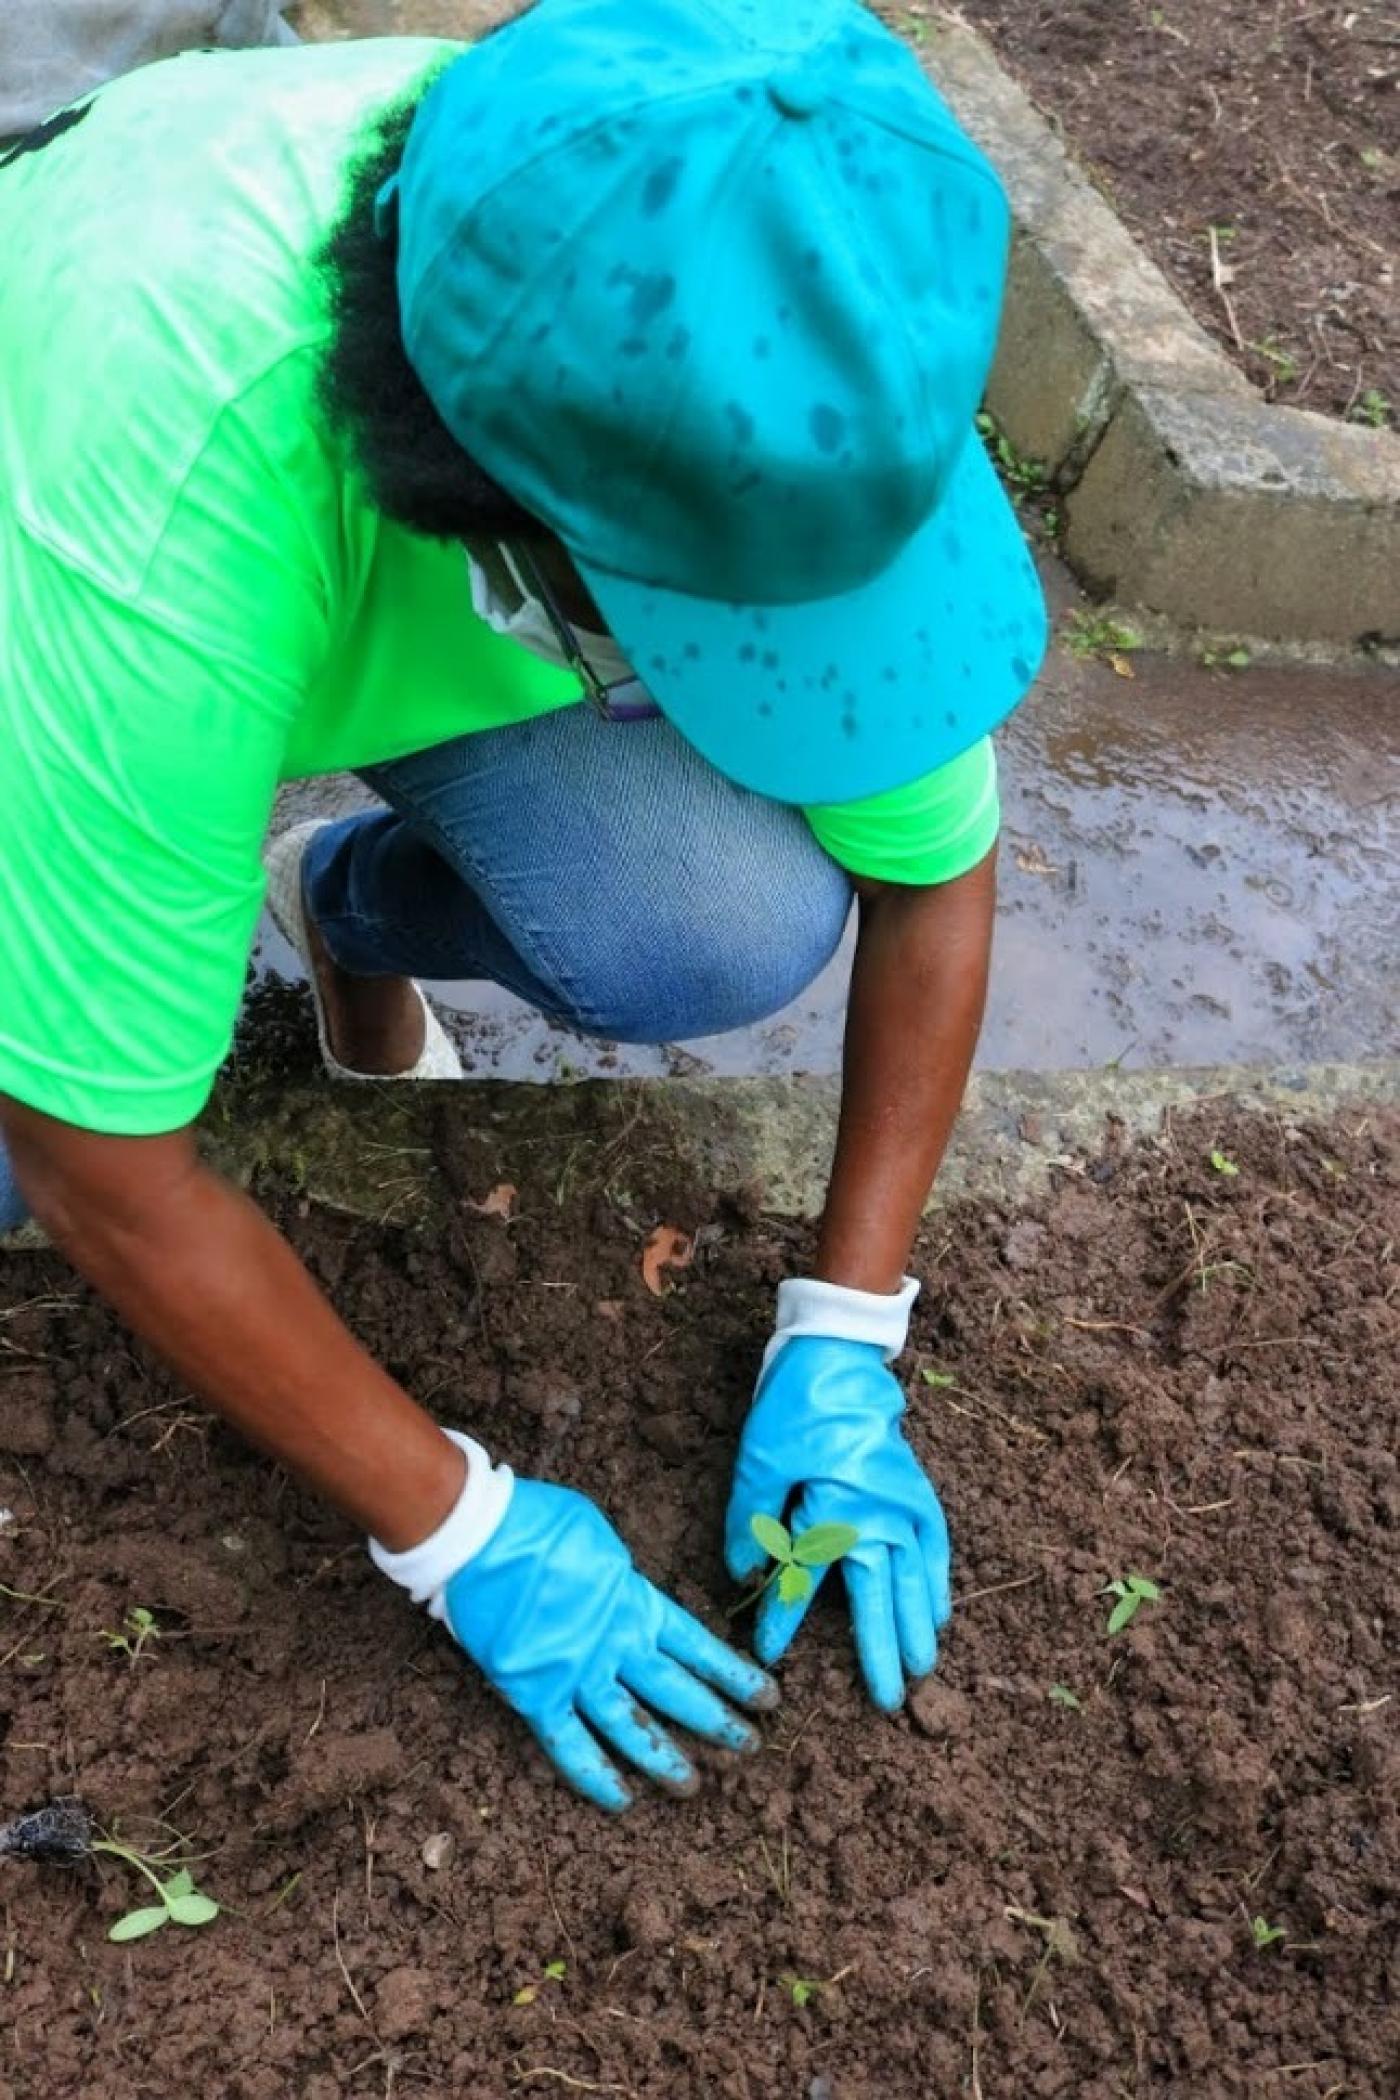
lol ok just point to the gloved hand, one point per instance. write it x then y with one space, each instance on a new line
534 1583
824 1430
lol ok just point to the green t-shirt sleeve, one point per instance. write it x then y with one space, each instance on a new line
142 753
928 832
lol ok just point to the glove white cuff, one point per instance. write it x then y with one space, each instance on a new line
839 1314
426 1569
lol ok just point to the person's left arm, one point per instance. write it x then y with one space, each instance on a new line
824 1441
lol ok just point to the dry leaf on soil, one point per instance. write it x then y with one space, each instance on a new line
499 1204
667 1248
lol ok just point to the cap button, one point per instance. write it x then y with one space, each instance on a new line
797 91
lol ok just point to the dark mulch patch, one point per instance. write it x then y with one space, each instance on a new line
1163 1368
1275 121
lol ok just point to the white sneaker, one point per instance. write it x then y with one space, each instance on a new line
282 858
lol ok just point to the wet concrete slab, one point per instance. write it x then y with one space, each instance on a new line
1198 867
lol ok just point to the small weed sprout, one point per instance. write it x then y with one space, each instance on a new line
1263 1934
1023 476
1224 1166
1374 408
1099 635
1131 1593
1061 1695
794 1558
801 1989
1226 657
139 1629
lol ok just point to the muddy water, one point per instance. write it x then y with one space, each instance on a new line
1198 867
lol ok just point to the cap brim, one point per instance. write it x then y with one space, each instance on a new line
845 697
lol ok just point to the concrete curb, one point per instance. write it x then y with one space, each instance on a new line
373 1150
1185 492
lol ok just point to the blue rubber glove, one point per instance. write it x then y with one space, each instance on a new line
825 1429
556 1616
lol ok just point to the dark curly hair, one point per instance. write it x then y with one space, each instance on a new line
416 471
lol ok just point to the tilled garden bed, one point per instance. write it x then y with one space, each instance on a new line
1276 123
1165 1861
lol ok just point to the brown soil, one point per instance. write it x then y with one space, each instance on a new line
1164 1368
1275 121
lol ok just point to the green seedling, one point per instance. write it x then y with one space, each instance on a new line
554 1972
1373 408
1283 364
801 1989
1023 476
1061 1695
1223 1165
139 1629
1237 658
65 1831
1098 635
816 1547
941 1379
1264 1934
1131 1592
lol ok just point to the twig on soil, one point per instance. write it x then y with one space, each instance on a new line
1108 1326
357 2001
1366 1706
576 2085
320 1713
558 1919
996 1589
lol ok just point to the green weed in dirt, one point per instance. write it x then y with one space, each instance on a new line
1226 657
816 1547
181 1903
66 1831
1374 408
1131 1592
1224 1166
139 1629
1061 1695
801 1989
1264 1935
1023 476
1099 635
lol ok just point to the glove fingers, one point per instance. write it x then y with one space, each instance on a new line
568 1744
937 1552
633 1732
778 1622
672 1691
913 1610
692 1645
870 1587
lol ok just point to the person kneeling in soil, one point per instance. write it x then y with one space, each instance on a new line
675 315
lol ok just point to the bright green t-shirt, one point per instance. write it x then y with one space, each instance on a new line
196 599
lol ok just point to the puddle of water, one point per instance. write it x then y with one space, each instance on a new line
1196 869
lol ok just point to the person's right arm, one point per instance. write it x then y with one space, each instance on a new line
198 1271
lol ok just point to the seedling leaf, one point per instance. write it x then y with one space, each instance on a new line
775 1538
1224 1166
823 1543
1123 1613
137 1923
1264 1934
556 1971
1061 1695
941 1379
794 1584
1144 1587
192 1908
181 1884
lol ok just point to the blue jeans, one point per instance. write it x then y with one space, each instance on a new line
604 872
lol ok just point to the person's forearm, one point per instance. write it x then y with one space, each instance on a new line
201 1274
917 994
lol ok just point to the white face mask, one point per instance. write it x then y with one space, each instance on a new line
530 625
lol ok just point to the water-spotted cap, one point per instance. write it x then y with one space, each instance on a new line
712 288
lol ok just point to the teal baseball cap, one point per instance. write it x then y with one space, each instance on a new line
712 287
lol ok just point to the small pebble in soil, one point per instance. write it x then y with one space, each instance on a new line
438 1850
